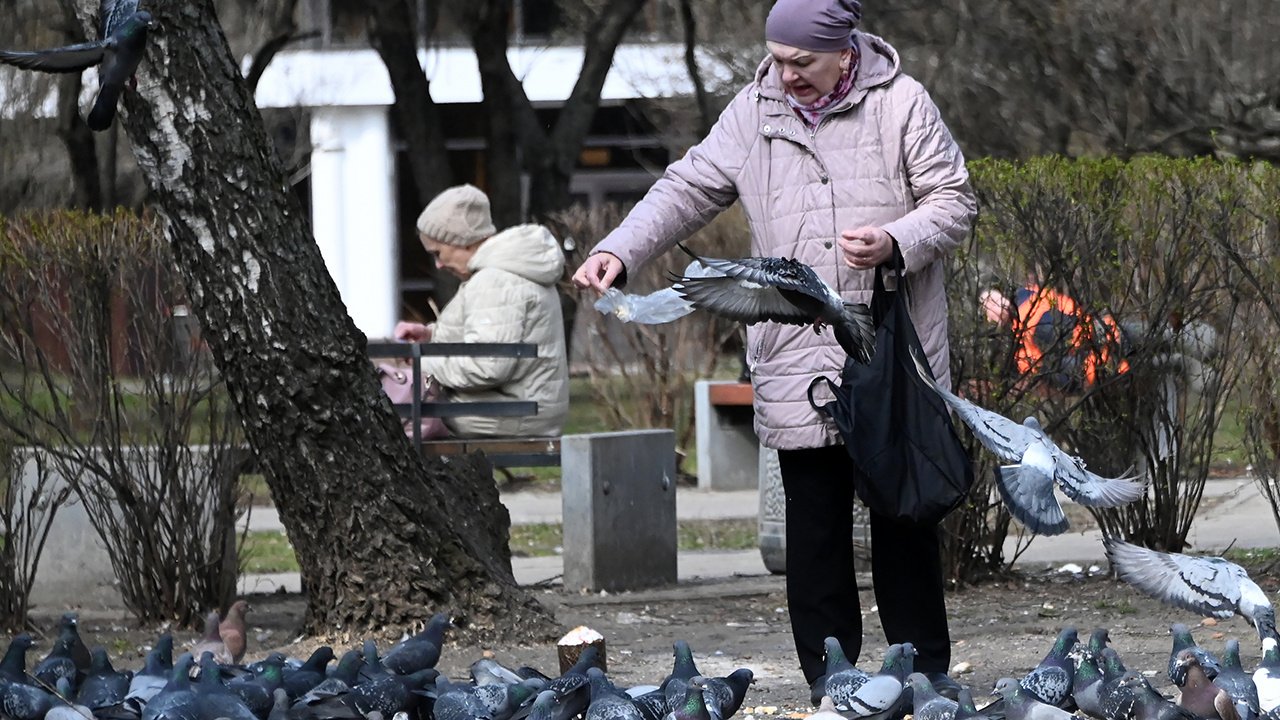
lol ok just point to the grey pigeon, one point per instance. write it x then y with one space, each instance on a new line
926 703
279 705
1211 586
1239 685
153 677
392 693
550 705
69 625
683 669
652 704
1027 486
1182 640
63 708
344 678
1022 705
178 700
23 702
118 51
1087 681
14 665
882 695
724 695
57 664
102 685
1115 698
966 709
487 671
782 290
1051 681
503 701
420 651
610 703
1266 678
312 673
1149 704
694 706
841 678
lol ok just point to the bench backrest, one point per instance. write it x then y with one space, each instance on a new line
416 408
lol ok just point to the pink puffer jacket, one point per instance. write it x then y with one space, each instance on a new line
883 158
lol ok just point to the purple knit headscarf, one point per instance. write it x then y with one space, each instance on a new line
813 25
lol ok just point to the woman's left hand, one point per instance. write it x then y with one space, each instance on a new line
866 247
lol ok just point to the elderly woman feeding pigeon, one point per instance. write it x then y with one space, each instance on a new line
835 154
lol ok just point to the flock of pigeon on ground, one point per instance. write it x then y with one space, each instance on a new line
1088 677
400 683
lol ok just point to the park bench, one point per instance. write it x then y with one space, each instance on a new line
618 489
502 452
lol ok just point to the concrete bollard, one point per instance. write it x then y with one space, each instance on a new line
619 501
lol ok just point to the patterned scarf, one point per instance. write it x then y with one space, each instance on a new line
813 113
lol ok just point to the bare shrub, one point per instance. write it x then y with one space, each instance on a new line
139 426
1139 242
643 375
28 504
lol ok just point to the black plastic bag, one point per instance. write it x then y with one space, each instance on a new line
894 426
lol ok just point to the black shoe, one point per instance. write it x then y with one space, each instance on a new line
944 685
817 689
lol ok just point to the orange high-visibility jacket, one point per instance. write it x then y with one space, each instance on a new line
1040 307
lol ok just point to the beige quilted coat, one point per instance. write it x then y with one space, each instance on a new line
884 157
510 297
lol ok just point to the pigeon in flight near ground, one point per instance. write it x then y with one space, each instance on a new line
1027 486
1211 586
756 289
122 42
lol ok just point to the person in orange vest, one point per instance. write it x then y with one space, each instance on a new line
1050 324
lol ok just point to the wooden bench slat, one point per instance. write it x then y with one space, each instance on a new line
408 350
730 393
482 408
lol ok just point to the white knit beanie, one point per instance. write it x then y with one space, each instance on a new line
458 216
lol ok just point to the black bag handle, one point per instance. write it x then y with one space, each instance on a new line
824 408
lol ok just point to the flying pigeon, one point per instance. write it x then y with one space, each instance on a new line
123 41
1211 586
1027 486
758 289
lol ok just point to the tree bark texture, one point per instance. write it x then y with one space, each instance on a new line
382 538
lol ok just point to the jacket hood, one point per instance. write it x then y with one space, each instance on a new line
529 251
878 63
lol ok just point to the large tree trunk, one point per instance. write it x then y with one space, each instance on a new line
383 539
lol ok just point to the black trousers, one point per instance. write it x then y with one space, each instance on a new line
822 591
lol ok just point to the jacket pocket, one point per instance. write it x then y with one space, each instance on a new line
764 338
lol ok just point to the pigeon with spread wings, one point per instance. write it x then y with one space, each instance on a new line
1027 486
1210 586
756 289
122 41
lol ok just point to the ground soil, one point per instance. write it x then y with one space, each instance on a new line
999 628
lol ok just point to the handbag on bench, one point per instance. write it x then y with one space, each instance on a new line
397 383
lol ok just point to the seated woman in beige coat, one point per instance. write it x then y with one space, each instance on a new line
508 295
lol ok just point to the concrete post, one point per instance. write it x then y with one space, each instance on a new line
726 439
619 503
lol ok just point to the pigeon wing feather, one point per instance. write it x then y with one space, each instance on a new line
1092 490
1203 585
1005 438
740 299
71 58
